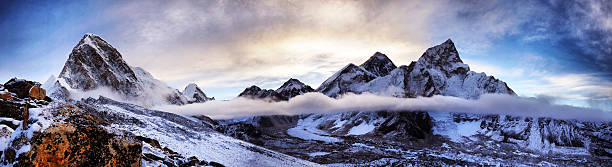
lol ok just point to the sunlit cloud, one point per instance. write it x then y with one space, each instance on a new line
319 103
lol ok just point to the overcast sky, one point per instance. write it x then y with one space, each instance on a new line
561 50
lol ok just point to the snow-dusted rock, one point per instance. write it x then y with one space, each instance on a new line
94 64
292 88
451 77
257 93
349 79
439 71
55 90
379 64
184 136
289 89
195 95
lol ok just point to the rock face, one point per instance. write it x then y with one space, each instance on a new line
55 90
94 64
288 90
449 76
257 93
292 88
195 95
348 79
379 64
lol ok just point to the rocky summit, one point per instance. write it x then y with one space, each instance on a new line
379 64
195 95
95 64
289 89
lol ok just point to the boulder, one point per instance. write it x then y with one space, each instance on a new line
65 135
6 95
25 89
36 92
73 145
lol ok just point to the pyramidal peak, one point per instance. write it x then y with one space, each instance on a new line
444 52
444 57
291 84
194 94
292 88
93 41
379 64
94 63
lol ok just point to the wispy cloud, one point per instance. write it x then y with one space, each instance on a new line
319 103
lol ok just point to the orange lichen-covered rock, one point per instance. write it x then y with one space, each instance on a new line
37 92
6 95
70 145
73 137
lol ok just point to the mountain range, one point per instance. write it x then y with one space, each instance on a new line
123 130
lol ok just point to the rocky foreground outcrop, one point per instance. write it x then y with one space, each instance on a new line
65 135
24 89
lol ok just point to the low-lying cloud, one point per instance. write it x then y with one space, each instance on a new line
319 103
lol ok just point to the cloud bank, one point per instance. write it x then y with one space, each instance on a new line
319 103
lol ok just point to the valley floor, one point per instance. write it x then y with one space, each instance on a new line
451 144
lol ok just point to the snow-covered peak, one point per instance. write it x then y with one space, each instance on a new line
94 63
348 79
292 84
194 94
379 64
292 88
444 57
257 93
438 71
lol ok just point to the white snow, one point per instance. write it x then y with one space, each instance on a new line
362 145
314 154
456 132
361 129
4 140
306 129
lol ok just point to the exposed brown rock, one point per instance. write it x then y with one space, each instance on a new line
37 93
11 109
70 145
6 95
77 138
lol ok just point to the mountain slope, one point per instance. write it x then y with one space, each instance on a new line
349 79
187 137
95 64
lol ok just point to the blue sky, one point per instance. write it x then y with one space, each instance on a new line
556 49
